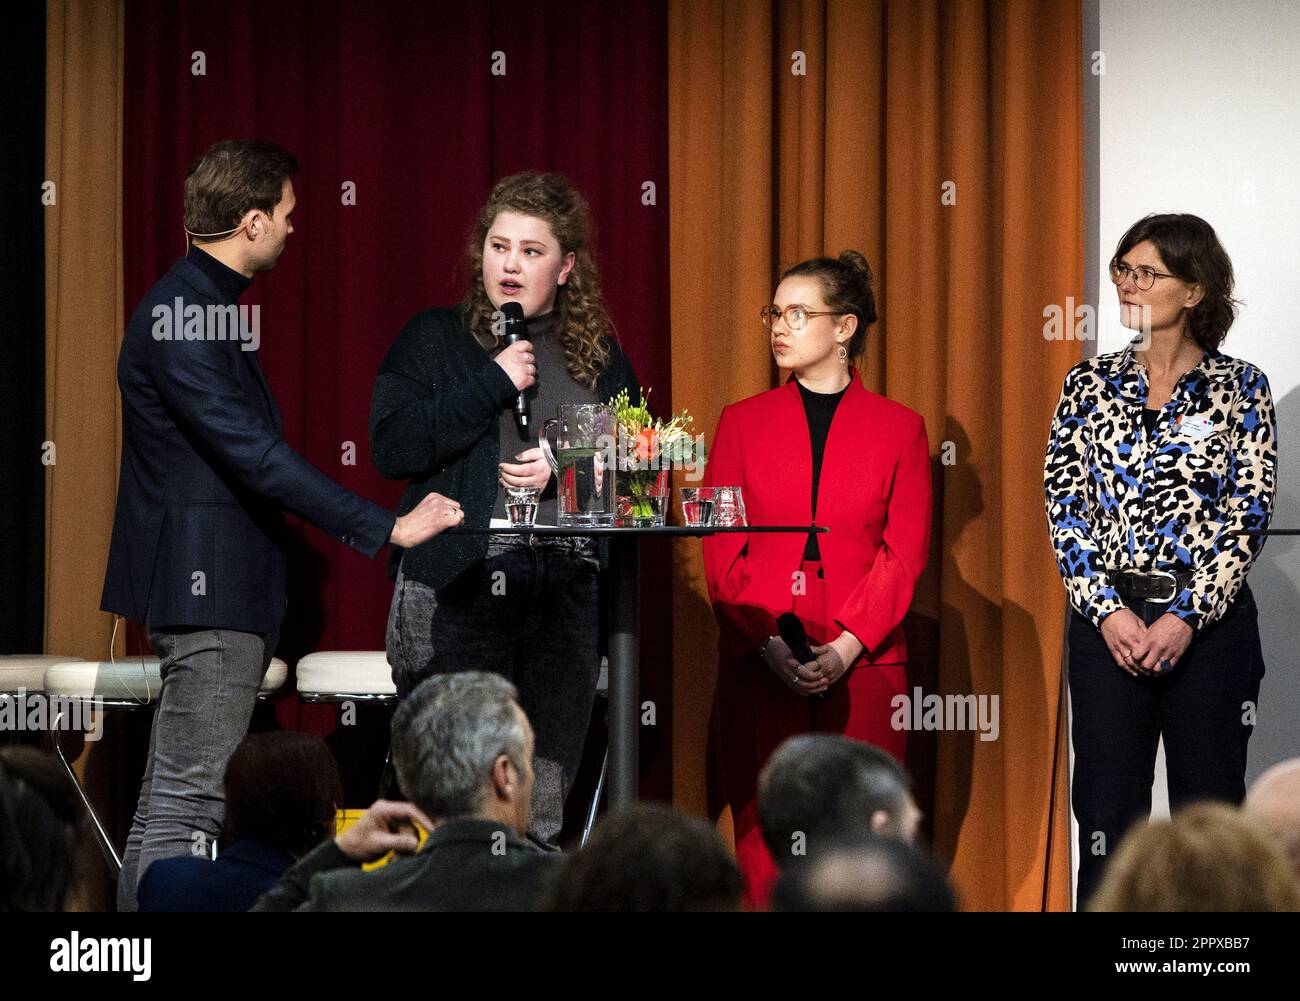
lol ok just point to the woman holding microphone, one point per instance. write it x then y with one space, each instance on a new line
1160 456
443 413
822 450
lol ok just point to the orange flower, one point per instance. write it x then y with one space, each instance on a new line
646 443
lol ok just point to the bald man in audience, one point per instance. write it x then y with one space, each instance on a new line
1274 802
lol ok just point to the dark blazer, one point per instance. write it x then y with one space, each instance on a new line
205 475
434 420
240 874
466 864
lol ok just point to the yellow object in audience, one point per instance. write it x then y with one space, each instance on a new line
346 818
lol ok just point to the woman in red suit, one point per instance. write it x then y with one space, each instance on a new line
820 450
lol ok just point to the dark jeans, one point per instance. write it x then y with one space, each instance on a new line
210 680
527 612
1200 708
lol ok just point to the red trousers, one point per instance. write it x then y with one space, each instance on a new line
757 711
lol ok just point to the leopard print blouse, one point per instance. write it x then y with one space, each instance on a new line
1177 499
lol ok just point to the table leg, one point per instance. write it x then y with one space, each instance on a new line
624 672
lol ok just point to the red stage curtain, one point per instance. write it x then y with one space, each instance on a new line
401 100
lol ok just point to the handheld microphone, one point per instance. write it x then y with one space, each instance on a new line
514 323
795 637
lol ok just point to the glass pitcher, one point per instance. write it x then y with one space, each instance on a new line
583 460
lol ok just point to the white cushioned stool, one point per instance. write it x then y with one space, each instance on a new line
346 676
26 671
131 683
361 676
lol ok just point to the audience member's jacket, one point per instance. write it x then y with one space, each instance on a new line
234 882
466 864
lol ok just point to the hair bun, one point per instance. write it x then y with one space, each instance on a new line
856 261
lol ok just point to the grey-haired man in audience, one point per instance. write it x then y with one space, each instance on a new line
463 750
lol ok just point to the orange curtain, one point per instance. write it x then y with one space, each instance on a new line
944 141
83 329
84 316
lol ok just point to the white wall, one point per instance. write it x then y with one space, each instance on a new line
1199 111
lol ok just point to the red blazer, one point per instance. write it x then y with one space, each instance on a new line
874 496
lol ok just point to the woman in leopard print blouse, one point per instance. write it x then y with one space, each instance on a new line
1160 457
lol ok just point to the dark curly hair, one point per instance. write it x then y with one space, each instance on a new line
846 287
1191 251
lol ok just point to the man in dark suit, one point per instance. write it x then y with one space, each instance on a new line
463 751
198 547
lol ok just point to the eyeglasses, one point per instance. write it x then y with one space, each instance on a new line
796 317
1144 277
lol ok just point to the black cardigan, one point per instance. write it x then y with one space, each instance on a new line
434 421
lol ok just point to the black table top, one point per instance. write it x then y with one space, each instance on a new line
671 530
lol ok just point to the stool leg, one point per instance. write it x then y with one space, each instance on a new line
101 835
595 801
388 780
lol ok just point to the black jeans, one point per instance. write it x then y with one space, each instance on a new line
1204 708
528 611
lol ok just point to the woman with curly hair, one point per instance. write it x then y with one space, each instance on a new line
443 413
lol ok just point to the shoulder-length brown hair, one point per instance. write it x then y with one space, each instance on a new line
1191 251
583 325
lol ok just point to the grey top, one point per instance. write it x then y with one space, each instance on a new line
553 387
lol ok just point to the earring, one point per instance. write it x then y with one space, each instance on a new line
843 353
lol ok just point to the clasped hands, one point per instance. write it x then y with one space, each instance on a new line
1145 651
816 676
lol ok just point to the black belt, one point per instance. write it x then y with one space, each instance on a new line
1159 586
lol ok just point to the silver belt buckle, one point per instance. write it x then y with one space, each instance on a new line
1173 586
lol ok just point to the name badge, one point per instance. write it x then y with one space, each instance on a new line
1196 427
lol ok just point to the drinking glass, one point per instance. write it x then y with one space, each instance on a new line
658 499
521 505
728 507
697 506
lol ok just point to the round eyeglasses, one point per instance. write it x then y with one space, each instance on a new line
796 316
1143 276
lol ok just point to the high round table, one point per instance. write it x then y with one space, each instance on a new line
625 631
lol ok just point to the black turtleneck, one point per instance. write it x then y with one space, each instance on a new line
820 411
230 283
553 387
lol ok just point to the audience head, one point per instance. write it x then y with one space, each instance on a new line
820 788
1207 857
1274 804
648 859
839 288
462 747
41 825
282 788
867 874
